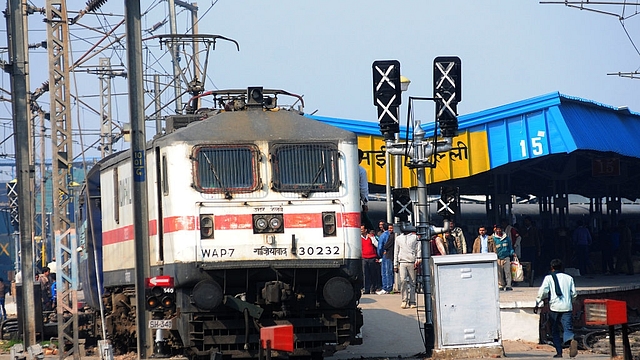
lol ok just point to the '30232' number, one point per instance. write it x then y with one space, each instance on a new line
319 250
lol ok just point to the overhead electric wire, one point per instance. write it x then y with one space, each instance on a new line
587 5
629 37
213 3
105 42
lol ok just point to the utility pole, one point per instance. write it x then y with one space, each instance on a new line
20 104
138 171
61 176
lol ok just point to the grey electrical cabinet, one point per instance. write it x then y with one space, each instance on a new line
466 301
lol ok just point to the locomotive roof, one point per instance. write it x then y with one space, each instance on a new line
247 126
251 125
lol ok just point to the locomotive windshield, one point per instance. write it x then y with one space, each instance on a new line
226 168
305 167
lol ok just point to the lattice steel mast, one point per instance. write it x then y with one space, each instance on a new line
106 128
63 229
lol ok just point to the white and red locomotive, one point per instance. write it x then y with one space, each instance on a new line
253 210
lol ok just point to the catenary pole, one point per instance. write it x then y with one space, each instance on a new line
21 132
138 163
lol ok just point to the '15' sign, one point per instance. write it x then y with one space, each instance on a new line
536 145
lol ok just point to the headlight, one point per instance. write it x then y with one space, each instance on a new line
275 223
261 224
268 224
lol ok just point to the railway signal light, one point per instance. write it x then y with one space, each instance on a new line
387 95
12 193
447 90
448 203
159 293
402 205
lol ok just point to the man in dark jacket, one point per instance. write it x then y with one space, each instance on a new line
385 253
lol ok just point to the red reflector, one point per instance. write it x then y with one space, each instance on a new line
281 337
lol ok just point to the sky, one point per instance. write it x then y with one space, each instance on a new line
323 50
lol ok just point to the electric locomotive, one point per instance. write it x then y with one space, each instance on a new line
254 212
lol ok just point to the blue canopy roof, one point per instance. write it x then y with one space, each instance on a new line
594 147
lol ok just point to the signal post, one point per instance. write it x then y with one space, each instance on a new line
160 300
387 99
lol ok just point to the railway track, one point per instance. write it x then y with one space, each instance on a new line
597 340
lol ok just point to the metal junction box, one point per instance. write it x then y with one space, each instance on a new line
466 302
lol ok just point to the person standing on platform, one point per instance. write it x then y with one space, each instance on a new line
561 291
581 239
380 230
450 243
504 250
512 232
606 249
460 241
624 251
406 259
438 246
45 286
364 193
483 243
386 243
530 243
369 260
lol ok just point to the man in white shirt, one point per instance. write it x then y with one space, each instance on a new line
561 290
407 255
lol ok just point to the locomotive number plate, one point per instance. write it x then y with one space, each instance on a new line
160 324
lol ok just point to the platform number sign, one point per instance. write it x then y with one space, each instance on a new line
536 143
387 95
402 205
447 90
448 202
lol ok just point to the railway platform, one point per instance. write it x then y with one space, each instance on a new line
390 331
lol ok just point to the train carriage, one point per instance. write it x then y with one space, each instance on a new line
254 212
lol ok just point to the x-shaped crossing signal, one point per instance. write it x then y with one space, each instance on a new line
387 95
447 90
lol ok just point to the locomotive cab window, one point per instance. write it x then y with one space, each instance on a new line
305 167
226 168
